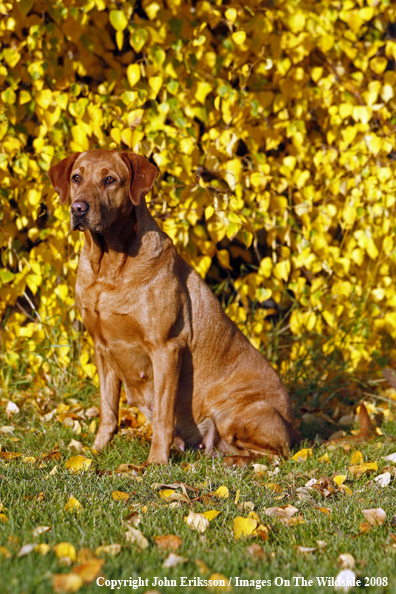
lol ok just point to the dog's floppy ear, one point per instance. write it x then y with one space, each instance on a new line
59 176
142 176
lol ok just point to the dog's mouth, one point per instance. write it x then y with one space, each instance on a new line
81 224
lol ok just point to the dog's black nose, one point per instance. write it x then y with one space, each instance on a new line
79 208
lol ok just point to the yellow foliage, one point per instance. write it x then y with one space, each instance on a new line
274 135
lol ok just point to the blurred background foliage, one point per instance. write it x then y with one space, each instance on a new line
273 126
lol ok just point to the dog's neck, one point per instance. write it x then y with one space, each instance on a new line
135 235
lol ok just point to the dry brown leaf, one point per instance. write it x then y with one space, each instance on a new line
112 549
9 455
26 550
172 560
40 530
283 511
196 521
255 551
321 544
375 517
66 582
305 550
260 469
364 528
135 536
168 541
77 445
383 479
92 412
89 570
274 487
347 561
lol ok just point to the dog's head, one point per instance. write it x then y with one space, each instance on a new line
102 185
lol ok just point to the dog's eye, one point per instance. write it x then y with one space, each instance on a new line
109 180
76 178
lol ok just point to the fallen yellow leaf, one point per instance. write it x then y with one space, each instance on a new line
72 504
274 487
339 479
346 489
217 582
302 455
78 464
222 492
244 527
324 458
360 469
42 548
357 458
4 552
211 514
3 518
65 550
166 493
120 496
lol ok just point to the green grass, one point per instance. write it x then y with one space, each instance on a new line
35 498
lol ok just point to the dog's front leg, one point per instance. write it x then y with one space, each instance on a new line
166 362
110 387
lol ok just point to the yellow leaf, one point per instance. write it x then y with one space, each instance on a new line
339 479
120 496
77 464
211 514
244 527
4 552
324 458
89 570
43 98
203 89
360 469
72 504
274 487
239 37
223 257
65 549
216 230
165 493
3 518
42 548
135 536
133 74
155 84
231 15
302 455
218 583
222 492
357 458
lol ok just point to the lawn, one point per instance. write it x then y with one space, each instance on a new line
294 532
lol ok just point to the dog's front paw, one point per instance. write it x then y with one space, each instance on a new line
101 440
157 459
